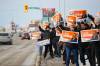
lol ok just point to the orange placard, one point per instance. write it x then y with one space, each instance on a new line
90 35
70 36
78 13
57 17
71 19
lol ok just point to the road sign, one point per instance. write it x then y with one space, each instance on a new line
48 12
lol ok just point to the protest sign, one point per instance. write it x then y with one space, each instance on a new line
57 17
78 13
43 42
90 35
70 36
71 20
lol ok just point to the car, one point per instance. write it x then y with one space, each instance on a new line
25 36
20 34
5 38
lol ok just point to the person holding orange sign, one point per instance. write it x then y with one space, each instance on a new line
46 35
86 47
97 43
83 16
72 47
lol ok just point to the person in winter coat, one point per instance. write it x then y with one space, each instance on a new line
46 35
85 21
97 43
72 47
86 48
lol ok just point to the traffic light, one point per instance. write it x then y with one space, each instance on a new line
26 8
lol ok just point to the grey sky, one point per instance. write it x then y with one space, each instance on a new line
13 9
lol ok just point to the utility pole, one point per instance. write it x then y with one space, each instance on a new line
64 12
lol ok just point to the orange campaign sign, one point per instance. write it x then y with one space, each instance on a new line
90 35
71 19
70 36
57 17
78 13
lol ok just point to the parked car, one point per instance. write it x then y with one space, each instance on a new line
25 36
5 38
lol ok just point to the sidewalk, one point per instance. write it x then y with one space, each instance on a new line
58 62
51 62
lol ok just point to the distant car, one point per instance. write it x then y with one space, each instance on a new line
20 34
25 36
6 38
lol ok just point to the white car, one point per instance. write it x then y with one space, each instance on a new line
5 38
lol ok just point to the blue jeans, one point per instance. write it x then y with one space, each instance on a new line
68 54
40 50
59 48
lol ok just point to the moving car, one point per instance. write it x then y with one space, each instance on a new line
25 36
5 38
20 34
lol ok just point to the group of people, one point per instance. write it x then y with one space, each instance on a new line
73 51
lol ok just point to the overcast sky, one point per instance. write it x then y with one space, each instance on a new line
13 9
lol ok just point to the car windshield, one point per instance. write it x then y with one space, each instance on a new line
4 34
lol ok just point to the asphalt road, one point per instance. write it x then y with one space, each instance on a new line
21 53
25 53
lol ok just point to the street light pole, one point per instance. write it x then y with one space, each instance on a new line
59 5
64 12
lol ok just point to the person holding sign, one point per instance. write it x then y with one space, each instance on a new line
46 35
85 47
71 47
85 21
97 43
